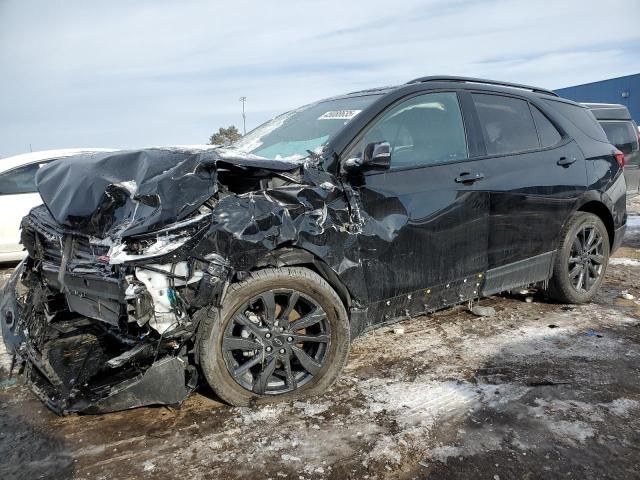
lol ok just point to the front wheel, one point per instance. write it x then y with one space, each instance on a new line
283 334
581 260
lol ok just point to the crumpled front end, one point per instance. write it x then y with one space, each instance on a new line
103 314
93 336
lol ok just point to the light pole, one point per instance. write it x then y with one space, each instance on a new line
244 118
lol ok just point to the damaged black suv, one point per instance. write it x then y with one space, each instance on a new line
253 267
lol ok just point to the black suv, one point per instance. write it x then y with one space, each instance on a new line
622 132
256 265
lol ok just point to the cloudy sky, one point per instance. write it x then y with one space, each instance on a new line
119 73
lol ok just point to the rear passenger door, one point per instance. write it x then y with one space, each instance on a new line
534 175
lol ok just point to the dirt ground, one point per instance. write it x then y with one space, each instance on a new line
541 390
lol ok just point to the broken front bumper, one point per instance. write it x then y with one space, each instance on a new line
75 364
93 337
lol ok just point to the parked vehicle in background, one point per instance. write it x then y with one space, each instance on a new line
18 195
253 267
623 132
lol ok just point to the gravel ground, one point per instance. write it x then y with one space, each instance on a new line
541 390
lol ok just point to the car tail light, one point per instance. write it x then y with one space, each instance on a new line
619 157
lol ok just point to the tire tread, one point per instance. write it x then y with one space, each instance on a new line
559 288
210 318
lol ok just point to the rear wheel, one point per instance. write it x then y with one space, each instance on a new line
581 261
283 334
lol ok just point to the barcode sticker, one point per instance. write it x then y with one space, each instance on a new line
339 115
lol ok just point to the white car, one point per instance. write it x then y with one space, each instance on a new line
18 194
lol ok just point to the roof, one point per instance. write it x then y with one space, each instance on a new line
34 157
495 85
482 81
609 111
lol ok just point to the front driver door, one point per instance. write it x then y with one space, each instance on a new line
425 231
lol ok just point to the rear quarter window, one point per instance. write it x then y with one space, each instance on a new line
581 117
548 133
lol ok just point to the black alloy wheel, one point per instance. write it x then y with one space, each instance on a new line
281 334
276 342
586 258
580 260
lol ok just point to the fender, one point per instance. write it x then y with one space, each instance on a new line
612 213
291 256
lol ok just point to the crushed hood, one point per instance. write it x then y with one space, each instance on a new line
123 193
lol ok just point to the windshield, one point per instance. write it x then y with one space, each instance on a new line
292 135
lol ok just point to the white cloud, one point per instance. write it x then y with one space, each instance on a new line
125 74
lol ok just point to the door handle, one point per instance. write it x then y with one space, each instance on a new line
468 178
565 162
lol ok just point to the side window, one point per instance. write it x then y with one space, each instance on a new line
424 130
507 124
19 180
581 117
548 133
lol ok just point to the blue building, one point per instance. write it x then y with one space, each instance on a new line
624 90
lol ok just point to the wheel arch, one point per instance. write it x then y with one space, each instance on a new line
600 210
298 257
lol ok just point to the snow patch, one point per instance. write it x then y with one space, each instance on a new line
386 449
633 222
311 409
5 358
577 430
627 262
419 406
566 408
475 442
443 452
420 402
623 406
249 415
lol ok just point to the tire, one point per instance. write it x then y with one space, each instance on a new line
252 328
564 285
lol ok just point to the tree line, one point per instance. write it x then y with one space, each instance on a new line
225 136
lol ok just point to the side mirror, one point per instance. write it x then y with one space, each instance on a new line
376 156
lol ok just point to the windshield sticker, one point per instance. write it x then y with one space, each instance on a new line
339 115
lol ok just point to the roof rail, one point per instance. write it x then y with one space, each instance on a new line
483 81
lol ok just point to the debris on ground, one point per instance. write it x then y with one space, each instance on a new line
483 311
626 295
7 383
